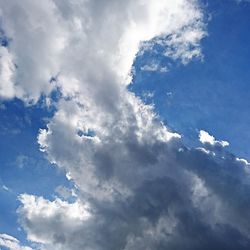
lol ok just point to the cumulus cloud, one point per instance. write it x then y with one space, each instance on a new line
45 37
206 138
41 214
36 41
183 199
136 185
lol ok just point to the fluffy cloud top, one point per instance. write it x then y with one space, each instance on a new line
205 137
137 186
45 37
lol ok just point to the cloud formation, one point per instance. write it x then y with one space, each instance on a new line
206 138
11 243
137 186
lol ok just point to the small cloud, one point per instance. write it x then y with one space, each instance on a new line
148 95
65 192
11 243
153 67
5 188
206 138
244 161
21 161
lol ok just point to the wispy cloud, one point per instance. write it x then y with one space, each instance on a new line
11 243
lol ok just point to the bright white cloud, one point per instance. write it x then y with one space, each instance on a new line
36 40
38 211
205 137
46 36
11 243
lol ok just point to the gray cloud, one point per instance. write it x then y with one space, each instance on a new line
198 201
165 212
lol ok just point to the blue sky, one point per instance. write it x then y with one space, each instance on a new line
213 94
209 93
23 167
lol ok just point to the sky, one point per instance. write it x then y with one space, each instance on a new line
124 125
202 94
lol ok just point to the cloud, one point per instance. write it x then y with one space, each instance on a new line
154 67
11 243
22 161
181 198
46 36
136 185
206 138
185 44
5 188
32 56
6 73
62 218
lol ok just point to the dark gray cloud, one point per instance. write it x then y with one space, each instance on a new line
199 201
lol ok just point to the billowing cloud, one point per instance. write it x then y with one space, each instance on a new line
45 37
136 185
181 199
32 55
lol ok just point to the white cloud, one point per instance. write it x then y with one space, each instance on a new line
36 40
7 89
47 36
205 137
52 222
5 188
11 243
154 67
185 44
